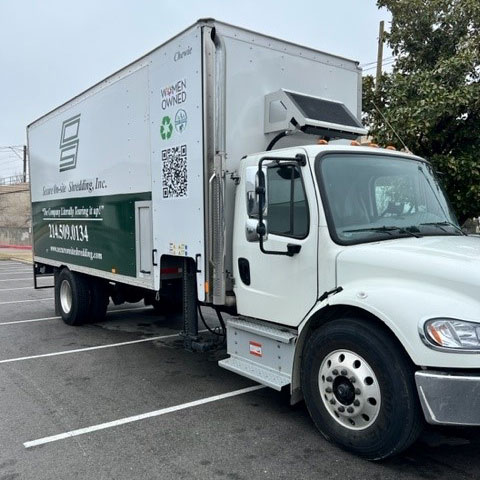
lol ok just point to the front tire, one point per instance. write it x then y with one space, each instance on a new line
359 388
72 297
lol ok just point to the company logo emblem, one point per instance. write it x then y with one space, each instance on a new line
69 142
174 94
166 128
180 54
181 120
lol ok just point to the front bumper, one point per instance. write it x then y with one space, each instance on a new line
449 398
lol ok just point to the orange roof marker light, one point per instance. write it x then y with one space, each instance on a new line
322 141
354 143
373 145
390 147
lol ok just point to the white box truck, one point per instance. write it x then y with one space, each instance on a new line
218 170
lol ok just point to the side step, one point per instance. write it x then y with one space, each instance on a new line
265 376
260 352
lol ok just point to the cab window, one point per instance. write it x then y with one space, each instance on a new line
286 202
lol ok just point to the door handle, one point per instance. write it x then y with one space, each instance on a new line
154 251
197 257
293 249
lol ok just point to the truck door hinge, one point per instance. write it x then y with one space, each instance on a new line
325 295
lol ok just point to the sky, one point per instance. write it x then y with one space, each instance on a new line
51 50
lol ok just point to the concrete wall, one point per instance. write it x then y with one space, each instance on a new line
15 215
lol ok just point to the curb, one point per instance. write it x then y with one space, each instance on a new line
22 260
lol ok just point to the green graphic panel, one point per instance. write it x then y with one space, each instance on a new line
95 232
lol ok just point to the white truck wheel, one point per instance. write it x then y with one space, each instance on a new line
349 389
72 296
359 388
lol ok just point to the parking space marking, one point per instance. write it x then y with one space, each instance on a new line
16 272
4 262
19 265
24 288
26 301
16 279
19 269
89 349
16 288
15 269
44 319
143 416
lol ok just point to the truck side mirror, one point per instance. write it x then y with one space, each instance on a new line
261 192
252 199
251 233
251 184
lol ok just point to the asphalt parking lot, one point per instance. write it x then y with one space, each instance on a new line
123 400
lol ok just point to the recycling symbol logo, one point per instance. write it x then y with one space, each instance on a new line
166 128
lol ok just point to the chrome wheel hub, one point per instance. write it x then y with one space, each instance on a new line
349 389
66 296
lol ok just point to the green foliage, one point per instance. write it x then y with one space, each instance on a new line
432 97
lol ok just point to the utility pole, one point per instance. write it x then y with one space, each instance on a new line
25 164
380 55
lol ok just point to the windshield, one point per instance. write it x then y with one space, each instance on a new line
378 197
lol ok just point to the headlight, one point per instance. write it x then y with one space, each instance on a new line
449 333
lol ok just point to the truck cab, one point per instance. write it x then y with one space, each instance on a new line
356 253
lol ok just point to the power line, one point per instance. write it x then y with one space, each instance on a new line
375 62
17 154
5 164
374 67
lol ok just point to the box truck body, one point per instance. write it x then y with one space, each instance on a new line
121 174
348 277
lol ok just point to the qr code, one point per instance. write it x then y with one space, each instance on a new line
174 172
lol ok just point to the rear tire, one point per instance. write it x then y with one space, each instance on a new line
72 297
359 388
99 300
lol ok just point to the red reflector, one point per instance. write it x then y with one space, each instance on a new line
170 270
255 348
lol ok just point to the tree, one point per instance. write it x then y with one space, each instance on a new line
432 97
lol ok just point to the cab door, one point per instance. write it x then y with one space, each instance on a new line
278 284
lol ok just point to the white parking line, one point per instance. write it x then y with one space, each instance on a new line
17 288
23 288
29 321
8 269
13 263
16 272
16 279
15 267
9 276
89 349
26 301
136 418
44 319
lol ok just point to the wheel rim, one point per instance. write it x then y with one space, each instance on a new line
66 296
349 389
